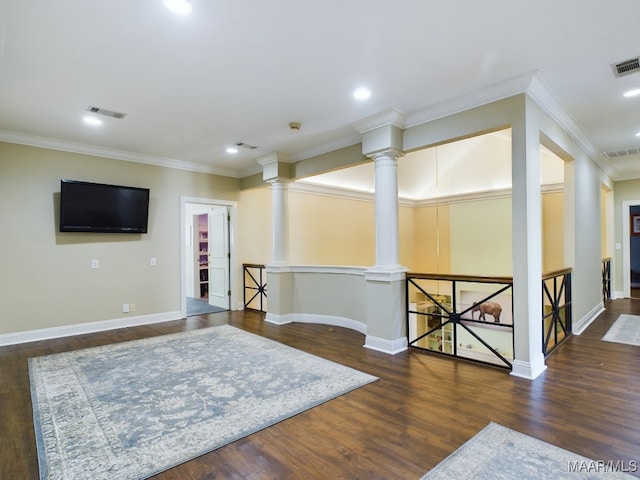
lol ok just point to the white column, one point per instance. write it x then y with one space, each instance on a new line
386 200
527 248
280 213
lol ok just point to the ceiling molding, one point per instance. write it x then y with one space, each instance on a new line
329 191
64 146
544 97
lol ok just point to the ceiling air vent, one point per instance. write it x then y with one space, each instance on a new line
623 153
245 145
105 112
628 66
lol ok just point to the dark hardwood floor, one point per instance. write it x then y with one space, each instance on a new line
422 408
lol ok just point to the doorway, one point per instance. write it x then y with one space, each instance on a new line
207 256
630 249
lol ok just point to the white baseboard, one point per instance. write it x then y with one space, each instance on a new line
527 370
383 345
331 320
83 328
316 319
278 319
617 294
582 324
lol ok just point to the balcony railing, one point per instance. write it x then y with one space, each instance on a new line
442 311
606 279
462 316
255 287
556 309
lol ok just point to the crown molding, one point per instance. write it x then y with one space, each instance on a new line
104 152
339 192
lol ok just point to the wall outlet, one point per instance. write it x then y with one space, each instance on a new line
153 262
132 307
125 308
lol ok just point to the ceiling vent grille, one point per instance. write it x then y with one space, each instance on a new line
105 112
245 145
627 67
623 153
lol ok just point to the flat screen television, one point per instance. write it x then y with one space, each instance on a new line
97 207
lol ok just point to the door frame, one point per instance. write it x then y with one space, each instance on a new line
626 246
184 223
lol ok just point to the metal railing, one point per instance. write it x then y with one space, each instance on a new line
606 279
441 311
254 287
556 309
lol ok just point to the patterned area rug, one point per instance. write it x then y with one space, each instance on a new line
499 453
133 409
626 329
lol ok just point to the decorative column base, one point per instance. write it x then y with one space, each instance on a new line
386 309
527 370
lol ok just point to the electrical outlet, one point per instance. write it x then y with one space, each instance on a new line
132 307
125 308
153 262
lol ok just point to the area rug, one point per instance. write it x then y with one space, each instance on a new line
201 307
499 453
626 329
131 410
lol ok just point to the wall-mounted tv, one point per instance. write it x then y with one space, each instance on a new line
97 207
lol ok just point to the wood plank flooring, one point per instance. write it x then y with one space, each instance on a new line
422 408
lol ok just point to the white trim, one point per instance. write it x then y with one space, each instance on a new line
382 273
527 370
383 345
330 320
302 186
581 325
617 294
317 319
84 328
278 319
329 269
64 146
233 273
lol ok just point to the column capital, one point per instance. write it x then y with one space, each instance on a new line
275 167
382 132
389 152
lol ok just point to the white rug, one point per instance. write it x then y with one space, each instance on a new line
626 329
499 453
129 410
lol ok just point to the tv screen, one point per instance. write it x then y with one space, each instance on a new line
97 207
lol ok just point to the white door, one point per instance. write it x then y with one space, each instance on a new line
219 257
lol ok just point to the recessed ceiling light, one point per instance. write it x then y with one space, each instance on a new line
232 150
89 120
362 93
632 93
180 7
638 134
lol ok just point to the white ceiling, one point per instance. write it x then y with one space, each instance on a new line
242 70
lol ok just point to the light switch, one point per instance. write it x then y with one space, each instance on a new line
95 263
153 262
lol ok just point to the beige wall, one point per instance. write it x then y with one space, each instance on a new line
46 277
481 237
326 230
432 245
553 231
